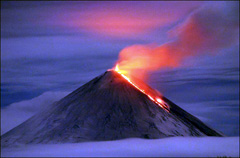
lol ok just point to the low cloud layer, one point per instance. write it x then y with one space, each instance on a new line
16 113
167 147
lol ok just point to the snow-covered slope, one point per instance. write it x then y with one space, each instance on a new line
106 108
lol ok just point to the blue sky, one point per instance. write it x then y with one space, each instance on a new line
59 46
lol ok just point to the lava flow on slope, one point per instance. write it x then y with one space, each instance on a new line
148 92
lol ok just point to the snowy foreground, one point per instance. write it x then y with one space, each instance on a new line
176 146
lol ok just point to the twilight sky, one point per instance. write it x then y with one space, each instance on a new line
49 49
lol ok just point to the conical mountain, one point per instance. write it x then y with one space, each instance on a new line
106 108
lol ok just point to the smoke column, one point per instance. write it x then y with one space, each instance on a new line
205 31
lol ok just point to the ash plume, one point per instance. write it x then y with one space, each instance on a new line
205 31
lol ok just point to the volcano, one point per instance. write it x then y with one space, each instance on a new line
106 108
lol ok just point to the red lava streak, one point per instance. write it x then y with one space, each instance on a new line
156 100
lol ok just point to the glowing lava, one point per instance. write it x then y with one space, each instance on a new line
156 100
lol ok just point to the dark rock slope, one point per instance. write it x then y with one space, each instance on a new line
106 108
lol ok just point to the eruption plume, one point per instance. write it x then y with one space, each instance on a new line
205 31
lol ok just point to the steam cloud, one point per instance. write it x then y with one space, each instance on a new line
205 31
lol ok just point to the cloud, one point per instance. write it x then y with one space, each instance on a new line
129 19
16 113
113 19
134 147
217 114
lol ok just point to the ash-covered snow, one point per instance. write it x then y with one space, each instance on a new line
167 147
105 108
